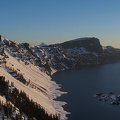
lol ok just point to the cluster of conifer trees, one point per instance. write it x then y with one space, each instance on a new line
23 103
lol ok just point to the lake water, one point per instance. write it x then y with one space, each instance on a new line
81 86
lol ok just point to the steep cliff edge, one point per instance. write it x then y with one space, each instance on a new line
91 44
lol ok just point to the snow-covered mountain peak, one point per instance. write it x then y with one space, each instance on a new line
42 44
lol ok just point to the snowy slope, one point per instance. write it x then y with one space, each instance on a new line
39 79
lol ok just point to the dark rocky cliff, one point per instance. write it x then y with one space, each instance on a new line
74 53
91 44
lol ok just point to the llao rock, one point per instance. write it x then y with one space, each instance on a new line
92 44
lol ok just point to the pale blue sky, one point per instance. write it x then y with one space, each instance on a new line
54 21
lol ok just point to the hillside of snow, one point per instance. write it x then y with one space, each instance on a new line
40 88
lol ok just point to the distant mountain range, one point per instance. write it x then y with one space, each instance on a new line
77 53
67 55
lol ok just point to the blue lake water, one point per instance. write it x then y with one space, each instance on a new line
81 86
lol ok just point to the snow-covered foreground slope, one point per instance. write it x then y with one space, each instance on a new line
48 90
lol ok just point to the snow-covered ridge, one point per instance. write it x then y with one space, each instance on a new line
35 76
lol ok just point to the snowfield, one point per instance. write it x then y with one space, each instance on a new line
48 89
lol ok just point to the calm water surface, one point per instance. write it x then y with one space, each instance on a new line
82 84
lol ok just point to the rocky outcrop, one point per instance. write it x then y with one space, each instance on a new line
91 44
110 54
71 54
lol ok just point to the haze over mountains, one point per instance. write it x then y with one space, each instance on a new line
29 69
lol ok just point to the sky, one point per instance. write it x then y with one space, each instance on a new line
56 21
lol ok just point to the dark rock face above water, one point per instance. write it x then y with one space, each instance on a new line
72 54
90 44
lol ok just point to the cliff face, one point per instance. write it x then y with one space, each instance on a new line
110 54
71 54
90 44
